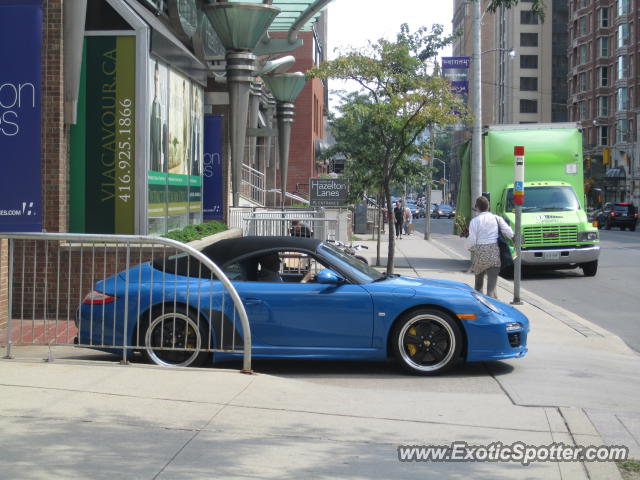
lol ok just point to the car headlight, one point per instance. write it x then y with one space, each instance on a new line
513 326
587 236
483 300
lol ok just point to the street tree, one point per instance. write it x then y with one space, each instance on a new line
401 94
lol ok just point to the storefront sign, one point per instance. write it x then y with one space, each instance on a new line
20 112
110 135
328 192
212 171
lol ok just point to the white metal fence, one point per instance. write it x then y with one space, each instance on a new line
324 224
153 295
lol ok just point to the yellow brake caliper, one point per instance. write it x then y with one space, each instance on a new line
411 347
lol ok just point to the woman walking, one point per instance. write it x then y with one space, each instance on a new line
483 244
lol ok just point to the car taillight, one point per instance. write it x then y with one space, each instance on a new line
635 214
98 298
613 214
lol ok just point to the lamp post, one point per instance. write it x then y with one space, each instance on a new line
239 26
285 88
476 132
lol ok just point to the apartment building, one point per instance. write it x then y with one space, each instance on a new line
603 98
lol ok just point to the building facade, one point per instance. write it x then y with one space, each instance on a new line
132 110
603 86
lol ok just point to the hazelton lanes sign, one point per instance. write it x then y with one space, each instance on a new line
328 192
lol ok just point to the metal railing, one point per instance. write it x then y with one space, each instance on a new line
121 293
252 186
320 228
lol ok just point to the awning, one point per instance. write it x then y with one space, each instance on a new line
166 46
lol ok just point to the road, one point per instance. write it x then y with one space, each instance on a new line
610 299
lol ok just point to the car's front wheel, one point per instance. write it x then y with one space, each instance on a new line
427 342
176 338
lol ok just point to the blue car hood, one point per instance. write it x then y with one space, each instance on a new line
416 282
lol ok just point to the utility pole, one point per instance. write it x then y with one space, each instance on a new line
427 207
476 134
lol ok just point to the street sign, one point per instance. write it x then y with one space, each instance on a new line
328 192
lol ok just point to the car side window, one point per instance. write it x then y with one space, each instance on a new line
233 271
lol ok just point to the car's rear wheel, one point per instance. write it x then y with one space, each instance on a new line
590 268
175 338
608 226
632 228
427 342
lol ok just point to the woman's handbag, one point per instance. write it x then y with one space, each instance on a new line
506 260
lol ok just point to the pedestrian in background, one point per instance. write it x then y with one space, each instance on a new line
482 241
407 221
299 229
398 214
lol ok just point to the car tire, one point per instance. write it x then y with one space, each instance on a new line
608 226
590 268
167 329
426 342
632 228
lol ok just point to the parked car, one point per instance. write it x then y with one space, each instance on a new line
623 215
443 210
346 310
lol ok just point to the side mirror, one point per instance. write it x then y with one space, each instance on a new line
328 276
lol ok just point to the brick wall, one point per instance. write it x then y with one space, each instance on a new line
54 131
3 281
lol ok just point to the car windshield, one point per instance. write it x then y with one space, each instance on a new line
343 260
546 199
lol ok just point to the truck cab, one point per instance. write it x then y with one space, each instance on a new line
555 229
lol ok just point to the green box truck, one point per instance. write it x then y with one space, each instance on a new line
556 232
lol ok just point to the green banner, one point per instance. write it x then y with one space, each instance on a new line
110 135
195 194
157 194
178 191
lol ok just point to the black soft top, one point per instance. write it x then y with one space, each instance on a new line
228 250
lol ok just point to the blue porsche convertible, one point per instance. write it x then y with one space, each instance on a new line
305 299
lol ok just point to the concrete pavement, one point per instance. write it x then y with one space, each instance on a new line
85 416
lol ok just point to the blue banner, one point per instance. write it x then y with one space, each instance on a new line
212 205
20 111
456 70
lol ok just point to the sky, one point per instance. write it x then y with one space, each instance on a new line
351 23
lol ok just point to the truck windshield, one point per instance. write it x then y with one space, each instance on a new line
546 199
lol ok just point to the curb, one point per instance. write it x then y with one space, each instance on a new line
584 433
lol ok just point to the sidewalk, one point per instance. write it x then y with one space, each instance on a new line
85 416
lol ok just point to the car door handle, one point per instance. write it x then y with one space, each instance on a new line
252 301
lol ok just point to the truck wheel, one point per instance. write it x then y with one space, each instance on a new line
590 268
